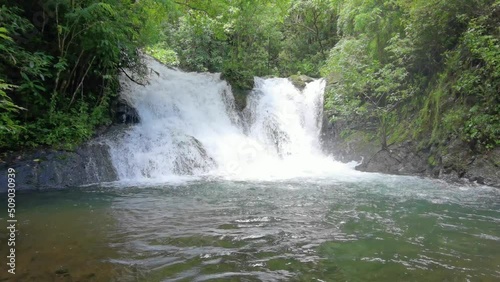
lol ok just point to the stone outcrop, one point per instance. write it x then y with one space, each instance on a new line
123 113
46 169
453 160
300 81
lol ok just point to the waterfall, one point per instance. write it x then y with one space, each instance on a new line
189 126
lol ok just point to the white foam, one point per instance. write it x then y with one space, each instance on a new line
189 126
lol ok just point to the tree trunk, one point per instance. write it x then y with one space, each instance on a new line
383 133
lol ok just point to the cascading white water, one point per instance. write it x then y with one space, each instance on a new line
189 126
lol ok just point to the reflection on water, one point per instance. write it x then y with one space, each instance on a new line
377 229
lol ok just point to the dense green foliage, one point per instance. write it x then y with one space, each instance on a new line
425 70
59 63
245 38
60 59
407 69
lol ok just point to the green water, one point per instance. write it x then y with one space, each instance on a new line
382 228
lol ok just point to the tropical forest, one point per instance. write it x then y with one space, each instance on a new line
250 140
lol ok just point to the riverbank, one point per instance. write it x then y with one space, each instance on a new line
53 169
452 160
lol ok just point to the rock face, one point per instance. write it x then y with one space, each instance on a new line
192 157
60 169
357 146
401 159
300 81
88 164
453 161
123 113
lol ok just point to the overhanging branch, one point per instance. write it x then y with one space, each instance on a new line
133 80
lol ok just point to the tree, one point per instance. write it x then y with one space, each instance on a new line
309 32
65 57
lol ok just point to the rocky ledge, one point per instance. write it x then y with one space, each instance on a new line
453 161
90 163
457 165
45 169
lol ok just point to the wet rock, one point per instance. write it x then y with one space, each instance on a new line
397 159
453 160
124 113
240 98
278 137
46 169
300 81
238 80
485 169
192 157
381 161
356 146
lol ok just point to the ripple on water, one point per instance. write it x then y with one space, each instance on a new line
407 229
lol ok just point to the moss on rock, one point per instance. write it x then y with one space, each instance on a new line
300 81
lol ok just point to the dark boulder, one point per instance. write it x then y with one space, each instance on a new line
451 160
192 157
485 169
397 159
47 169
123 112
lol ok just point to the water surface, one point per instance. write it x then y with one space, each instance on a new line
378 228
